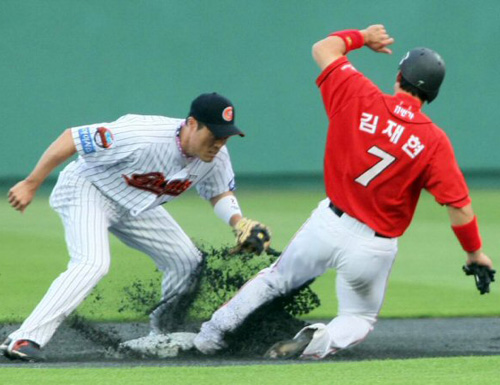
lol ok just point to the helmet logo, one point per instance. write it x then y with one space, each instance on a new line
227 114
420 83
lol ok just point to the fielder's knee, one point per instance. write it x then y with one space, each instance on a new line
92 271
275 281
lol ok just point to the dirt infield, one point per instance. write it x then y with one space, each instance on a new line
392 338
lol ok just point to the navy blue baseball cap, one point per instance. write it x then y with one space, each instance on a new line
217 113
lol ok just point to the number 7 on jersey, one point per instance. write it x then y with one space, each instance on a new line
385 161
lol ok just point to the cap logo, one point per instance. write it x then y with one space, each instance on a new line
227 114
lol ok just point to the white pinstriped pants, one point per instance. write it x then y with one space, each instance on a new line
363 262
87 216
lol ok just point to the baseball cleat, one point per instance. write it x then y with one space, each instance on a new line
208 346
290 348
209 340
25 350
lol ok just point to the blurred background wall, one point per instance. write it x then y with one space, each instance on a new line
72 62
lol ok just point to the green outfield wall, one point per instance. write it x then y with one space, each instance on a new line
73 62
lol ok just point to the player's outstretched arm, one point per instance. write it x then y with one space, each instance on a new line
21 194
339 43
465 227
478 264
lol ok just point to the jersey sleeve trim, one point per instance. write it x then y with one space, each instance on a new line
458 203
80 136
321 78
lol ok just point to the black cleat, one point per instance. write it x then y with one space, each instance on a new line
290 348
25 350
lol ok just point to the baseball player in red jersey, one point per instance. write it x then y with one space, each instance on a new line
381 152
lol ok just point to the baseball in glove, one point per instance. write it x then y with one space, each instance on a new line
251 237
483 276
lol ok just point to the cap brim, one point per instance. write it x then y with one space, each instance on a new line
224 130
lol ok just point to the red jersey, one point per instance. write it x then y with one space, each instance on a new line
381 151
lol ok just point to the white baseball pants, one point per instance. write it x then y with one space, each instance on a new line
87 216
363 262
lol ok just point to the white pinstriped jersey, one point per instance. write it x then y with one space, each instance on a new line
136 162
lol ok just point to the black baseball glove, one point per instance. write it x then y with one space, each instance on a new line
251 237
483 276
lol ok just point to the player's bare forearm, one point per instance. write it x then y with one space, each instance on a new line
57 153
21 194
460 215
328 50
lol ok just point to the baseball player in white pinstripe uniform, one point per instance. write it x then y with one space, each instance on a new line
125 170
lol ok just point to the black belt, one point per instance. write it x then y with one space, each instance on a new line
338 212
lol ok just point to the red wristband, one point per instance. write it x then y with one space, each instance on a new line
468 235
353 39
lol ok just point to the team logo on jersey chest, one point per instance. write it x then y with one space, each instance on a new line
104 138
156 183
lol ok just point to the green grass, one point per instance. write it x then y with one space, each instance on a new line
439 371
426 280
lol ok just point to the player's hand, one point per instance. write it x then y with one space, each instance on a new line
251 237
377 38
21 195
481 267
479 258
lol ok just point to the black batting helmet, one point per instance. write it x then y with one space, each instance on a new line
424 69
